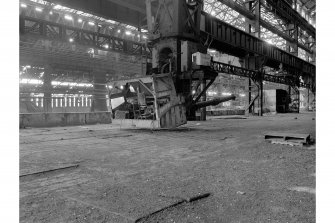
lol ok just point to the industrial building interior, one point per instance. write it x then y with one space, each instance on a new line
167 110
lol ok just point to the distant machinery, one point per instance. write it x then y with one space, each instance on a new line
180 65
180 34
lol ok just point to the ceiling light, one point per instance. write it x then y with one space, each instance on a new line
128 33
71 40
67 17
106 46
23 5
50 12
80 20
118 31
212 13
91 23
121 86
38 9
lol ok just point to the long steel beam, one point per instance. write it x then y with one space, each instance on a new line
238 43
62 32
285 10
243 11
256 75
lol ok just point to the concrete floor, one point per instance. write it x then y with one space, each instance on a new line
126 175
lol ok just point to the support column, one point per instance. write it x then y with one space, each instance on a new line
203 98
257 19
296 36
260 113
47 78
307 99
249 94
99 92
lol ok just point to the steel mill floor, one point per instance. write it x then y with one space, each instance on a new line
101 173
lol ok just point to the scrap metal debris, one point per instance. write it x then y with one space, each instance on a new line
51 170
180 201
291 139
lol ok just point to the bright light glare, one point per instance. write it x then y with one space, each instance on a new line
67 17
193 92
118 31
145 37
71 40
212 13
242 95
80 20
121 86
23 5
226 94
106 46
91 23
50 12
70 84
128 33
38 9
31 81
212 51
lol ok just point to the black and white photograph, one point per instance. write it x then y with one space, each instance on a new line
184 111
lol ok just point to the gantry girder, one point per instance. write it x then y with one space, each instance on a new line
232 8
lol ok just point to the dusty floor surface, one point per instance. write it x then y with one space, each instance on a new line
115 175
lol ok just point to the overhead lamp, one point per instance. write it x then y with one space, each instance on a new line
121 86
50 12
23 5
38 9
111 21
128 33
106 46
91 23
67 17
80 20
193 92
71 40
118 31
99 25
212 13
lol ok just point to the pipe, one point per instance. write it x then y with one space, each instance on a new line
212 102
